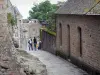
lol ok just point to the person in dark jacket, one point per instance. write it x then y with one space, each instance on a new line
35 43
39 47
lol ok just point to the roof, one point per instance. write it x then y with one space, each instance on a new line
17 11
25 20
87 7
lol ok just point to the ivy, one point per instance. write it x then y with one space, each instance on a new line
11 19
48 31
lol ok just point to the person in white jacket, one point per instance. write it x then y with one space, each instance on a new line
30 44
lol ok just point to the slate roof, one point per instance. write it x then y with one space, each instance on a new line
87 7
25 21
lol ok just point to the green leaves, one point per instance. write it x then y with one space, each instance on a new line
45 7
11 19
44 11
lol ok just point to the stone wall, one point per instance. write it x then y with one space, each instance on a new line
29 30
48 42
80 37
8 64
30 64
34 29
24 34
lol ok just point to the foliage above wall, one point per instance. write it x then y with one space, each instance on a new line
48 31
44 11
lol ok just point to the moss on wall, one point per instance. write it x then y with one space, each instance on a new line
11 19
48 31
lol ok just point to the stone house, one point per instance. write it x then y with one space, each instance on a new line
29 28
78 33
34 29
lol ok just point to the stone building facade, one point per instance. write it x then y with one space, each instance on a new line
78 33
29 29
34 28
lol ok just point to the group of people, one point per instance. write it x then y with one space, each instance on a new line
32 42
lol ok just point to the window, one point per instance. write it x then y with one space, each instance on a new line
80 40
68 32
60 34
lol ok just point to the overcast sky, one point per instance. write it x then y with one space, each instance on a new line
25 5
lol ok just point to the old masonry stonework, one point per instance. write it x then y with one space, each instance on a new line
13 61
8 64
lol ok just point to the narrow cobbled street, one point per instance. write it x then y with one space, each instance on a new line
56 65
33 32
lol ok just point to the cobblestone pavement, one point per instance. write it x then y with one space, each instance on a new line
56 65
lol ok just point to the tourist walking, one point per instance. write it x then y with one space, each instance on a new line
35 43
30 44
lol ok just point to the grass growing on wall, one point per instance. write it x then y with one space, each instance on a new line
40 34
48 31
11 19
